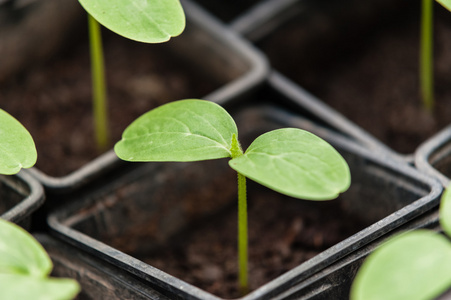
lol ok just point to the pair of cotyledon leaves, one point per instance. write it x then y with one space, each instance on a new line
412 266
149 21
291 161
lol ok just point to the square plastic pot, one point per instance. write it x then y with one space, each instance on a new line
153 205
21 195
209 47
318 45
434 156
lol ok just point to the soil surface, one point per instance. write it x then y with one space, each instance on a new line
283 232
367 68
53 100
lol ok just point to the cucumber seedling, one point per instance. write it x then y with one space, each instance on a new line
148 21
24 264
291 161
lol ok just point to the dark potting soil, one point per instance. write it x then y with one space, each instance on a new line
53 100
369 71
283 233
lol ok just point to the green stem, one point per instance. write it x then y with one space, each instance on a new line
242 234
426 55
98 85
236 151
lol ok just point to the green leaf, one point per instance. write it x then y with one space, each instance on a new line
445 3
17 149
445 211
296 163
185 130
17 286
412 266
149 21
20 253
24 267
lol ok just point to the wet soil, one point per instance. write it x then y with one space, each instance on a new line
283 233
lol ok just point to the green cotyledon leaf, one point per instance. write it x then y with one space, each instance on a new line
445 3
184 130
20 253
296 163
24 267
149 21
411 266
19 286
17 148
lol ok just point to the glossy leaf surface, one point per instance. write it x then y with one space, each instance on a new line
149 21
17 149
185 130
413 266
296 163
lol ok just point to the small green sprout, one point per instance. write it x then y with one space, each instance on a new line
148 21
25 267
17 149
290 161
412 266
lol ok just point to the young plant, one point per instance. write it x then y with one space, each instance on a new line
17 149
291 161
149 21
414 265
24 264
25 267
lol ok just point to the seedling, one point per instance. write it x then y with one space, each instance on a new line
291 161
414 265
24 264
148 21
17 149
25 267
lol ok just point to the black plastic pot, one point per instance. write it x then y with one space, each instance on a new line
335 281
98 280
320 36
211 48
434 156
162 201
21 195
